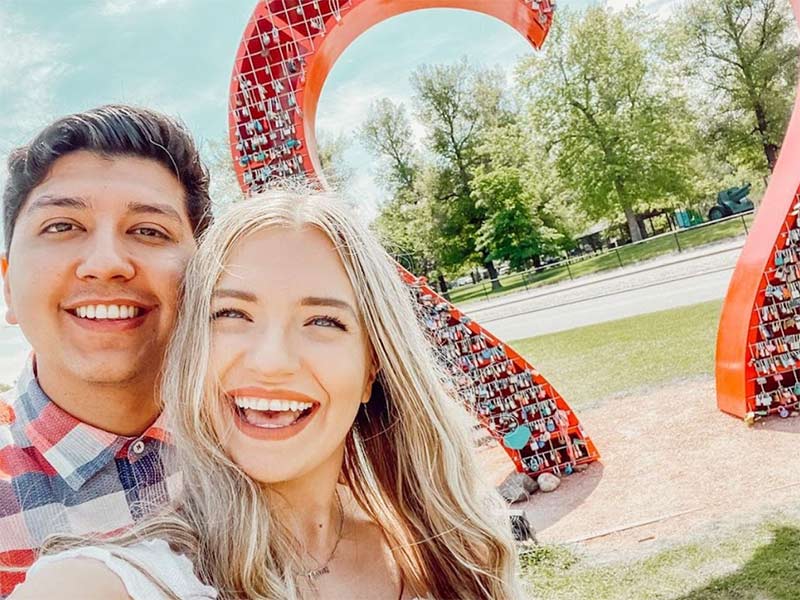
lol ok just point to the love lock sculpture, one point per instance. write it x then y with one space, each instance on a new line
287 50
758 343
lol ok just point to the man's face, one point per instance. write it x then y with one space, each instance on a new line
95 265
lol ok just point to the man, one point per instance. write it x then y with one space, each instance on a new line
101 212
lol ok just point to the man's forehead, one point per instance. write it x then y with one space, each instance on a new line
87 181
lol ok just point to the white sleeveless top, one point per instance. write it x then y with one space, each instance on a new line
174 570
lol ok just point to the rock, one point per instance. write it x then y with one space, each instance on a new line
548 482
517 487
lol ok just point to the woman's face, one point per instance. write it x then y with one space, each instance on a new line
291 354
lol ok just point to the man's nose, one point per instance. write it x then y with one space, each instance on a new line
105 257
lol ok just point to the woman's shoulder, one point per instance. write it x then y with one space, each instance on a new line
75 577
144 569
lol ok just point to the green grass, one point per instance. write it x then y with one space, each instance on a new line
591 363
625 255
692 238
758 562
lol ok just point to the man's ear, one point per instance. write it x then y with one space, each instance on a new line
11 319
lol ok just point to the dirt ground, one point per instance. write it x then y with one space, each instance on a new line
673 470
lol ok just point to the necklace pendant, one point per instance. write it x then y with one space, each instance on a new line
318 572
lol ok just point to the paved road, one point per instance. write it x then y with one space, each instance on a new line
660 284
616 305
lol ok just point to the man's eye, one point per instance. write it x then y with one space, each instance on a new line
59 227
326 321
228 313
150 232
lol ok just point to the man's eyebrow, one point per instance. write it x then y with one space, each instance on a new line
320 301
231 293
43 202
165 210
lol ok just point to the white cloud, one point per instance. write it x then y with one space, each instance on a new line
115 8
30 69
342 108
660 8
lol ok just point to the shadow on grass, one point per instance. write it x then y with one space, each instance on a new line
772 574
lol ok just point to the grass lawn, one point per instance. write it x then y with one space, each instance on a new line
758 562
626 255
591 363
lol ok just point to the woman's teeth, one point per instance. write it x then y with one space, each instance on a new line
272 405
272 413
107 311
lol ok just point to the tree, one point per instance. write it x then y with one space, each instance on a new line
745 53
519 226
224 187
607 115
331 150
387 132
456 103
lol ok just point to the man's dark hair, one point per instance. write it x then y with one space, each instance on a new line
109 131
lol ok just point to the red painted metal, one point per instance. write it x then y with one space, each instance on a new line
742 339
288 49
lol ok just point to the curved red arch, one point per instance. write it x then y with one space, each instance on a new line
746 342
287 51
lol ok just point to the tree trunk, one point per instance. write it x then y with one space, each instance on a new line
770 149
630 216
443 292
493 275
633 225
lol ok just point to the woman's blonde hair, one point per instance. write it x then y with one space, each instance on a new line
408 459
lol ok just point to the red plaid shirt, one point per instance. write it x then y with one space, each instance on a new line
59 475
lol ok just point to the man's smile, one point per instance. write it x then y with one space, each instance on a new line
108 316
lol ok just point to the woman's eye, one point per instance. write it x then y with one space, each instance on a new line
150 232
328 322
59 227
228 313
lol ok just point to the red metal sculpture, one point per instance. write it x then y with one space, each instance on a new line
758 343
287 51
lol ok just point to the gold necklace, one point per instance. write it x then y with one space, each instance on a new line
323 568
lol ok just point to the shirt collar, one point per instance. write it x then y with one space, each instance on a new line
76 450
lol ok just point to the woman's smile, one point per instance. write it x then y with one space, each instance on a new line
271 415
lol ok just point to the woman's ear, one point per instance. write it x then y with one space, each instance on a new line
373 375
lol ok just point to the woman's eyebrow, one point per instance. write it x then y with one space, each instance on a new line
321 301
231 293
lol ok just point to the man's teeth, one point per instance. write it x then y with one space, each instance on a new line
107 311
272 405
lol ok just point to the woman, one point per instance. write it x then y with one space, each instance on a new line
322 454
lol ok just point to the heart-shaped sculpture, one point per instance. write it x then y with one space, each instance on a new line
758 343
287 52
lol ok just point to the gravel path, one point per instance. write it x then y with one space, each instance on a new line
674 470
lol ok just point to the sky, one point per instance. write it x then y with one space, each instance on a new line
177 56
